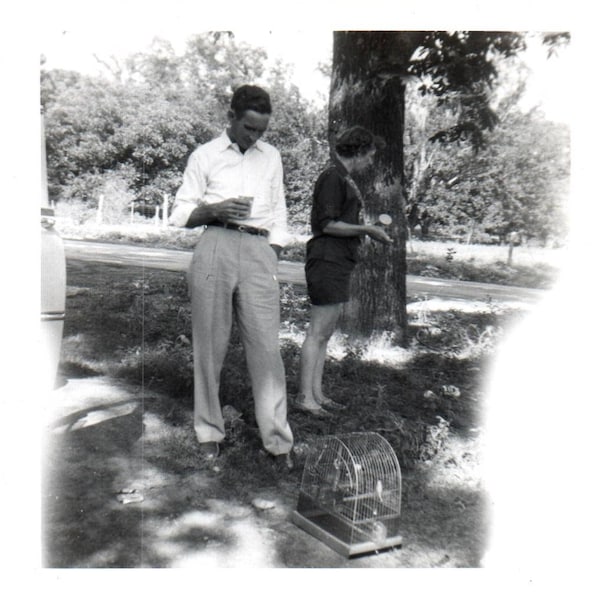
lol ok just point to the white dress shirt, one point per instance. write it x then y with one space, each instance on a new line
218 170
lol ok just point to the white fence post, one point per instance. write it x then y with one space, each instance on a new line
513 237
100 209
165 216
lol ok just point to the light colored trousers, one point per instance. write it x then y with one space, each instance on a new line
236 273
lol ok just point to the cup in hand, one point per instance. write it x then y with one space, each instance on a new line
248 200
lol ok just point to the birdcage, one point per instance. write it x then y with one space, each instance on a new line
350 494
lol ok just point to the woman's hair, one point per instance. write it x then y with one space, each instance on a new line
356 141
250 97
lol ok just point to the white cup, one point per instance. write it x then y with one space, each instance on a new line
250 201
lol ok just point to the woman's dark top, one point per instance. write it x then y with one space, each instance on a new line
335 198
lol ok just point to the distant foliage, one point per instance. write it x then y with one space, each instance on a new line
97 127
515 179
299 131
146 118
138 125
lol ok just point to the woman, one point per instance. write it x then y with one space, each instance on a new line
331 255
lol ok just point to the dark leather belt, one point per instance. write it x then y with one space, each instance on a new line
242 228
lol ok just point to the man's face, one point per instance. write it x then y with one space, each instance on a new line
247 129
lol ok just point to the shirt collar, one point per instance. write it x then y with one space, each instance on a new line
225 143
348 177
337 163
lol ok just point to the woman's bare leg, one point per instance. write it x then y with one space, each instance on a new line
322 325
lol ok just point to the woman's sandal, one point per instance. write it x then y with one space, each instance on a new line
333 405
317 411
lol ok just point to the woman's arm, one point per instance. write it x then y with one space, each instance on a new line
343 229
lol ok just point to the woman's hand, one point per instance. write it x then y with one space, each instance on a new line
342 229
377 233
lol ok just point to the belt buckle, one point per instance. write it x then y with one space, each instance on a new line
242 228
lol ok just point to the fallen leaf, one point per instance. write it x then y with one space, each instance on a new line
262 504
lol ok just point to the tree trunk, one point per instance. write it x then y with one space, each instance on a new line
368 89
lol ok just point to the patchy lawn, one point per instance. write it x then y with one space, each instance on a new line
124 486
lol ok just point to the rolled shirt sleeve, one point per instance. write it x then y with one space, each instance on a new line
192 190
217 171
278 232
328 199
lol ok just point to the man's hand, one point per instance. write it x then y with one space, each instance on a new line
232 209
227 210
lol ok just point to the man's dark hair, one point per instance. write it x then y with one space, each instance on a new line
250 97
356 141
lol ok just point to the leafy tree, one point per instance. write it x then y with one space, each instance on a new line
56 82
369 78
117 195
215 64
298 130
423 120
97 126
515 182
159 67
152 110
535 174
82 125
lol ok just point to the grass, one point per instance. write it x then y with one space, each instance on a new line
482 254
427 399
531 266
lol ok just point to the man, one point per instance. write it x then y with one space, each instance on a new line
233 186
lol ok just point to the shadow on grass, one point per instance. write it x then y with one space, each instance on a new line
91 469
82 518
443 525
193 513
447 519
155 448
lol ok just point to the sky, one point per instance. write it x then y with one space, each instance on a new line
76 45
303 50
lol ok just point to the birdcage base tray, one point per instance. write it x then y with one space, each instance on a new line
340 546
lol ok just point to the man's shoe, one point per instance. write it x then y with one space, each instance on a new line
285 462
209 450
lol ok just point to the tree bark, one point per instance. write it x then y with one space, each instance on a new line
368 88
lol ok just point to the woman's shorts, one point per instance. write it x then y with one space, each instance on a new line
328 282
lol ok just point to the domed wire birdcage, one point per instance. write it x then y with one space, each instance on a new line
350 495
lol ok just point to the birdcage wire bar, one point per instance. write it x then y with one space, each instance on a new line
350 495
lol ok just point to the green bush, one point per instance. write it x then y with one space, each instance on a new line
74 213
